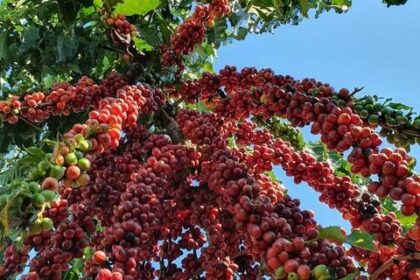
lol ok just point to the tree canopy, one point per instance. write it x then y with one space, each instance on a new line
124 155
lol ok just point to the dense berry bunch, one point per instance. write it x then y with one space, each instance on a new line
203 205
303 102
392 167
120 24
39 241
63 99
385 228
122 32
14 261
192 32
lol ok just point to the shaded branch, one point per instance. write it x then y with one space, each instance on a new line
169 123
392 261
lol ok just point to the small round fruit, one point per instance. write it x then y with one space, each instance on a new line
117 275
84 164
83 180
291 265
85 145
38 200
71 159
391 121
43 166
104 274
59 160
416 123
34 187
99 257
36 227
72 172
78 154
320 270
280 273
373 119
304 272
48 195
50 183
57 171
292 276
79 137
364 114
46 223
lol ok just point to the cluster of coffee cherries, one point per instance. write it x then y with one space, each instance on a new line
230 178
192 32
69 167
63 99
263 93
122 31
120 24
393 168
304 102
201 207
14 260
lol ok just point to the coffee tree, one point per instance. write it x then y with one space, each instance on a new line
125 156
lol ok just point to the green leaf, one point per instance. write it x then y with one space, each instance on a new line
66 47
202 107
30 38
4 48
406 221
75 272
272 176
88 253
68 10
265 3
142 45
332 233
344 4
361 239
136 7
241 33
10 174
319 150
106 65
305 6
231 142
399 106
388 206
98 3
208 67
36 152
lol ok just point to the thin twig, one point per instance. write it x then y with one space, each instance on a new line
356 90
109 48
31 124
260 273
176 103
169 124
390 262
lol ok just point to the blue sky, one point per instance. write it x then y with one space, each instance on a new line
371 46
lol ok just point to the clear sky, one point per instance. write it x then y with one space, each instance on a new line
371 46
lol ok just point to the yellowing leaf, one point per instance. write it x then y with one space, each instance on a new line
4 216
